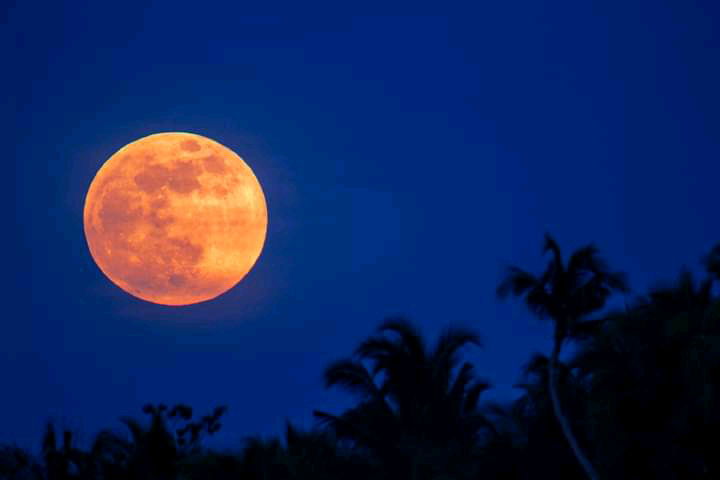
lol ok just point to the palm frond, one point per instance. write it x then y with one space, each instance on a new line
344 427
541 303
537 365
473 393
617 281
410 337
516 282
110 443
376 347
552 246
452 340
352 376
136 429
459 386
585 259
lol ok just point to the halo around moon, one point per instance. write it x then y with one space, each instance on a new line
175 218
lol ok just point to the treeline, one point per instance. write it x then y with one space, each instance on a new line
638 398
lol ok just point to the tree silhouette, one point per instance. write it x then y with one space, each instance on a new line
712 262
653 373
153 452
17 464
304 455
418 410
64 461
639 392
565 294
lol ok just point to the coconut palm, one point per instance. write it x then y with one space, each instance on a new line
656 368
418 409
150 452
566 295
153 451
547 449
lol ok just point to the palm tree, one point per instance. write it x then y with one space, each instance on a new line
154 451
565 294
547 449
418 409
656 368
149 453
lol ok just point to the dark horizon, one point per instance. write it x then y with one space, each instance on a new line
406 161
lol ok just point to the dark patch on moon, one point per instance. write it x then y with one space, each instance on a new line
159 202
190 145
116 214
183 177
180 177
152 178
184 251
214 164
234 181
158 221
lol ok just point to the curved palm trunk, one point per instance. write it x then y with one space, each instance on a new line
562 419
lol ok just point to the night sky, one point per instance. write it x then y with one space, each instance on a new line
406 160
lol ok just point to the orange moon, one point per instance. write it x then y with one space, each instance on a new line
175 218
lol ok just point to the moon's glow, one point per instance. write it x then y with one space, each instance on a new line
175 218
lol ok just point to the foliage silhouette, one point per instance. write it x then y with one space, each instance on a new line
419 406
155 451
652 373
565 294
640 394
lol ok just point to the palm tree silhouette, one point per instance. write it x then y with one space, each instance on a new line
656 368
565 294
545 437
419 406
153 451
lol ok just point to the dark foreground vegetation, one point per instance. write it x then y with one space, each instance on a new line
638 398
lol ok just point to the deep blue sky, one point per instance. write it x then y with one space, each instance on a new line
405 161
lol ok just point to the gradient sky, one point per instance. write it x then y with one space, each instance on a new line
405 162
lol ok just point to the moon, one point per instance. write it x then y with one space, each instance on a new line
175 218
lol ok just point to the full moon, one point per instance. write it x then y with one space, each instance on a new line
175 218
